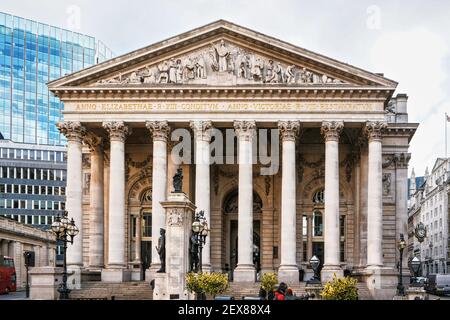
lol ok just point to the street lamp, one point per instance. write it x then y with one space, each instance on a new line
65 231
401 247
200 231
415 267
315 263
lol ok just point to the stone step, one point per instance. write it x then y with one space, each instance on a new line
120 291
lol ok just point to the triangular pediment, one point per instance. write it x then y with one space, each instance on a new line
222 54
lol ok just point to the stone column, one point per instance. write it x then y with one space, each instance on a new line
374 132
138 238
202 135
160 132
5 247
401 200
115 271
331 132
245 270
96 196
74 132
309 243
288 271
43 252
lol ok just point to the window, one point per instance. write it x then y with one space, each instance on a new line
304 226
147 225
342 226
319 197
317 224
342 251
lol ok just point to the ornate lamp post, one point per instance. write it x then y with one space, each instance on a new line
315 263
401 247
65 231
415 268
200 232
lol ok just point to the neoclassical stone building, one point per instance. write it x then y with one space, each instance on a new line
339 191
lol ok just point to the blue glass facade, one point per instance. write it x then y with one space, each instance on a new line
32 54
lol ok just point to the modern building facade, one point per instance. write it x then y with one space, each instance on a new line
216 102
429 204
32 151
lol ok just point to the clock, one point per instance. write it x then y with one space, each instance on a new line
421 232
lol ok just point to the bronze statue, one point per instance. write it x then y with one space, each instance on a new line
194 261
161 249
178 181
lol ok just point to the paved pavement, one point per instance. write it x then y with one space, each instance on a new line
19 295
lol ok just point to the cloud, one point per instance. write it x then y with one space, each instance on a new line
416 59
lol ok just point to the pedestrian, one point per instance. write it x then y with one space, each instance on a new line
281 292
290 295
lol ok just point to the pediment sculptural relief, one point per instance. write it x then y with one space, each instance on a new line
220 63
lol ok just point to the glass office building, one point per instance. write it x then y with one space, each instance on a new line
32 152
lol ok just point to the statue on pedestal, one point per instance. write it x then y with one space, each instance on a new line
161 249
193 248
178 181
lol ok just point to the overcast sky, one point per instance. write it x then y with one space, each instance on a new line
409 41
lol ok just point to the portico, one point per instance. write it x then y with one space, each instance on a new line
286 164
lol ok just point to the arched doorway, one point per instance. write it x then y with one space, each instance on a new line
230 209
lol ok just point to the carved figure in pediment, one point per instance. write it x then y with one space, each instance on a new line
172 71
242 65
290 74
256 68
189 69
200 67
133 78
179 71
269 71
148 75
222 56
307 76
163 72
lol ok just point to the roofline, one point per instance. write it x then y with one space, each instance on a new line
216 26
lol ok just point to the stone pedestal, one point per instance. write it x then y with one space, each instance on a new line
44 283
314 289
381 282
113 275
416 293
172 284
74 277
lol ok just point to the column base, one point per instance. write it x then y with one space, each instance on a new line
244 273
328 273
116 275
74 277
207 268
288 274
381 282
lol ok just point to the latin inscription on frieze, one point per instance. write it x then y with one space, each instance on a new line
224 107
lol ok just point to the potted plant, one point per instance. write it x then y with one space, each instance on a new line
268 282
202 284
340 289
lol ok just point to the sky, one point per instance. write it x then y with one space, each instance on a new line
408 41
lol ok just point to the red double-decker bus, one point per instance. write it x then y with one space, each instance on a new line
7 275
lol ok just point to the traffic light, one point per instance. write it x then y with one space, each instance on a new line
29 258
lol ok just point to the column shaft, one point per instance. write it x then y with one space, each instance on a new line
245 270
138 238
331 131
202 180
96 251
288 271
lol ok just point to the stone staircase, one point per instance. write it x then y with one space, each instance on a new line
363 292
239 290
120 291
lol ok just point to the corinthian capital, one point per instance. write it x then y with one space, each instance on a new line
374 130
117 130
331 130
245 130
159 129
288 130
72 130
202 130
94 142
